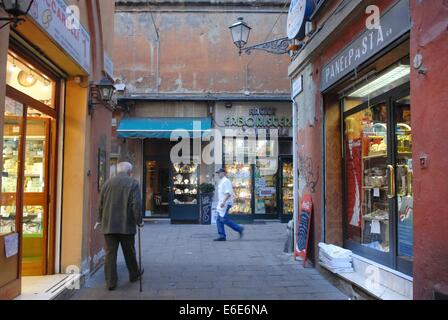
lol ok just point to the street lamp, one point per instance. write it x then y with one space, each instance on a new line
106 89
240 33
16 9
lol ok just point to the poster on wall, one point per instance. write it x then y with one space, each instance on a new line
303 228
406 227
11 245
354 186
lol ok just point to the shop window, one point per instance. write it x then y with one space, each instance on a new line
12 133
378 178
366 181
27 79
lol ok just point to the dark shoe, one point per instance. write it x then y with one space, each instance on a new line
220 239
111 288
242 232
138 278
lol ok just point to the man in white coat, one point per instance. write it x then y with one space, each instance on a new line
225 202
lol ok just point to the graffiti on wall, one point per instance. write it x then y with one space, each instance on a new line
308 173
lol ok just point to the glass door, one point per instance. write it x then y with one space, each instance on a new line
266 188
12 162
403 193
35 186
157 189
378 179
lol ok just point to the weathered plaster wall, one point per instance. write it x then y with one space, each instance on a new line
192 50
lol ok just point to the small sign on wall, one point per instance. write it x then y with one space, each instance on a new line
297 86
11 245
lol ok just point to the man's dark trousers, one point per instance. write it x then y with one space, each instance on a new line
127 242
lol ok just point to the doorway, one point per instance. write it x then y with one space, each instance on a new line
378 179
29 164
157 189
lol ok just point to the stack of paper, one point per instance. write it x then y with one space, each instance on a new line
334 258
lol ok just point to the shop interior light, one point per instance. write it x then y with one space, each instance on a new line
26 79
382 81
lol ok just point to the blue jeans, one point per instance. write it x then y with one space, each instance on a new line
221 221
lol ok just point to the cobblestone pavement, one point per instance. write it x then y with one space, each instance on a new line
182 262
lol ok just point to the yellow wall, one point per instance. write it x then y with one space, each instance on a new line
76 223
74 180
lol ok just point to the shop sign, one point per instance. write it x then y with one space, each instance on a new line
61 22
299 13
266 192
393 24
108 65
259 118
297 86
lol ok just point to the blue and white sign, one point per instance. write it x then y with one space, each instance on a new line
297 86
299 13
61 22
108 65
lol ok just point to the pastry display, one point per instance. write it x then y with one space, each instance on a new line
185 183
288 189
33 181
241 177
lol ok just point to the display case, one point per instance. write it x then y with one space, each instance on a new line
375 201
185 184
241 177
287 186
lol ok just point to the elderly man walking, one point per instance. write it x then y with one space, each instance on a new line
119 214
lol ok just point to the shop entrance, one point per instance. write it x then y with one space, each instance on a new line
171 189
29 158
378 176
157 188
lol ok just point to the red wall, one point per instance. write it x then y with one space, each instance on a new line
310 138
429 99
100 132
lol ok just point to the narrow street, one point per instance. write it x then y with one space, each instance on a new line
182 262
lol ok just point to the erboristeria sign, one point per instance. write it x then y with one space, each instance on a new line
259 118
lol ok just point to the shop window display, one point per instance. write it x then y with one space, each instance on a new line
241 177
288 189
12 131
366 177
265 187
185 183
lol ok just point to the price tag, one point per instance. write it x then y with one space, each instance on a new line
376 192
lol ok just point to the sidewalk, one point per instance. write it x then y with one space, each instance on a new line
182 262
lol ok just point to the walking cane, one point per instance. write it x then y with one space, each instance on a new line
140 257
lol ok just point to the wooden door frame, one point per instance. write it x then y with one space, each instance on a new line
50 170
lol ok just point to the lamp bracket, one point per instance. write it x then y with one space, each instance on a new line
278 46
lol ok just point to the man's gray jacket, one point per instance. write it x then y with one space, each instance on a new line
120 208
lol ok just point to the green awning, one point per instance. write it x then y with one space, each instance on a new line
161 128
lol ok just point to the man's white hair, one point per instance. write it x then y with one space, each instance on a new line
124 167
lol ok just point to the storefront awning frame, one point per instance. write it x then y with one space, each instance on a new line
161 128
